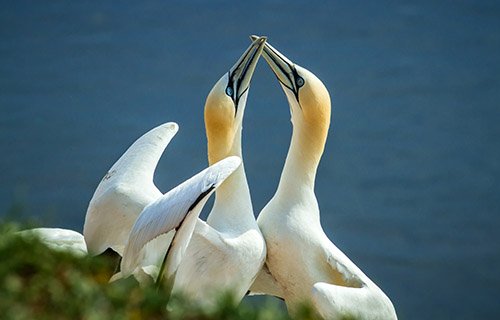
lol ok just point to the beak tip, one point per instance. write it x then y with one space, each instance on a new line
254 37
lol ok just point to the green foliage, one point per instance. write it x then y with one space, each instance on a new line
39 283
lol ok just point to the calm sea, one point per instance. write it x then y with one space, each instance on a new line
409 182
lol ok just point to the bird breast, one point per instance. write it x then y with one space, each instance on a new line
229 265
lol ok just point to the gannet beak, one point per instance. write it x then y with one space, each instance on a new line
283 68
241 73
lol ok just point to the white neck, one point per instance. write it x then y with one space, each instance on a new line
295 194
299 173
232 210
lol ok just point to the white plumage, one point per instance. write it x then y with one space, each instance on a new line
160 234
124 191
176 211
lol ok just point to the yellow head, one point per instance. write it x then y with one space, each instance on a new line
225 105
308 98
311 107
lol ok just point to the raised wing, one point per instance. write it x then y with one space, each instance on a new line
125 190
177 210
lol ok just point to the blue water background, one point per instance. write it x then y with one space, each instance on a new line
409 182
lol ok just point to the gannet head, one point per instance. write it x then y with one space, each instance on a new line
309 105
225 104
308 97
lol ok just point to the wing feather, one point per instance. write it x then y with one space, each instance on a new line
125 190
170 210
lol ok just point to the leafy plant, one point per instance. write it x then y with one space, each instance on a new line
39 283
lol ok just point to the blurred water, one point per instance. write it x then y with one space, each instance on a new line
408 184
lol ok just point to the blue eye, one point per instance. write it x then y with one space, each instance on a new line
300 82
229 91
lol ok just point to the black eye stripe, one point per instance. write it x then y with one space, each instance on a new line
231 92
297 80
291 89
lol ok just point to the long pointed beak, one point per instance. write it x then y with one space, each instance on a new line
241 73
283 68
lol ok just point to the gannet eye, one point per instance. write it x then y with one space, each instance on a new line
300 82
229 91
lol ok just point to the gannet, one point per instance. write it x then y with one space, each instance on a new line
227 251
124 192
175 214
303 265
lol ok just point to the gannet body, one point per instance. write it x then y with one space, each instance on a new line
59 239
124 192
175 214
227 251
303 265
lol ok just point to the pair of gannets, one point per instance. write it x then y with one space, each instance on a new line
128 214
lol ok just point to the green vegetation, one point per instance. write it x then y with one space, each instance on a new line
39 283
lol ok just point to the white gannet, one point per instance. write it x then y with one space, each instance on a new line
124 192
303 265
174 213
227 251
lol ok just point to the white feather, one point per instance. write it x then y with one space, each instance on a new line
177 209
124 191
